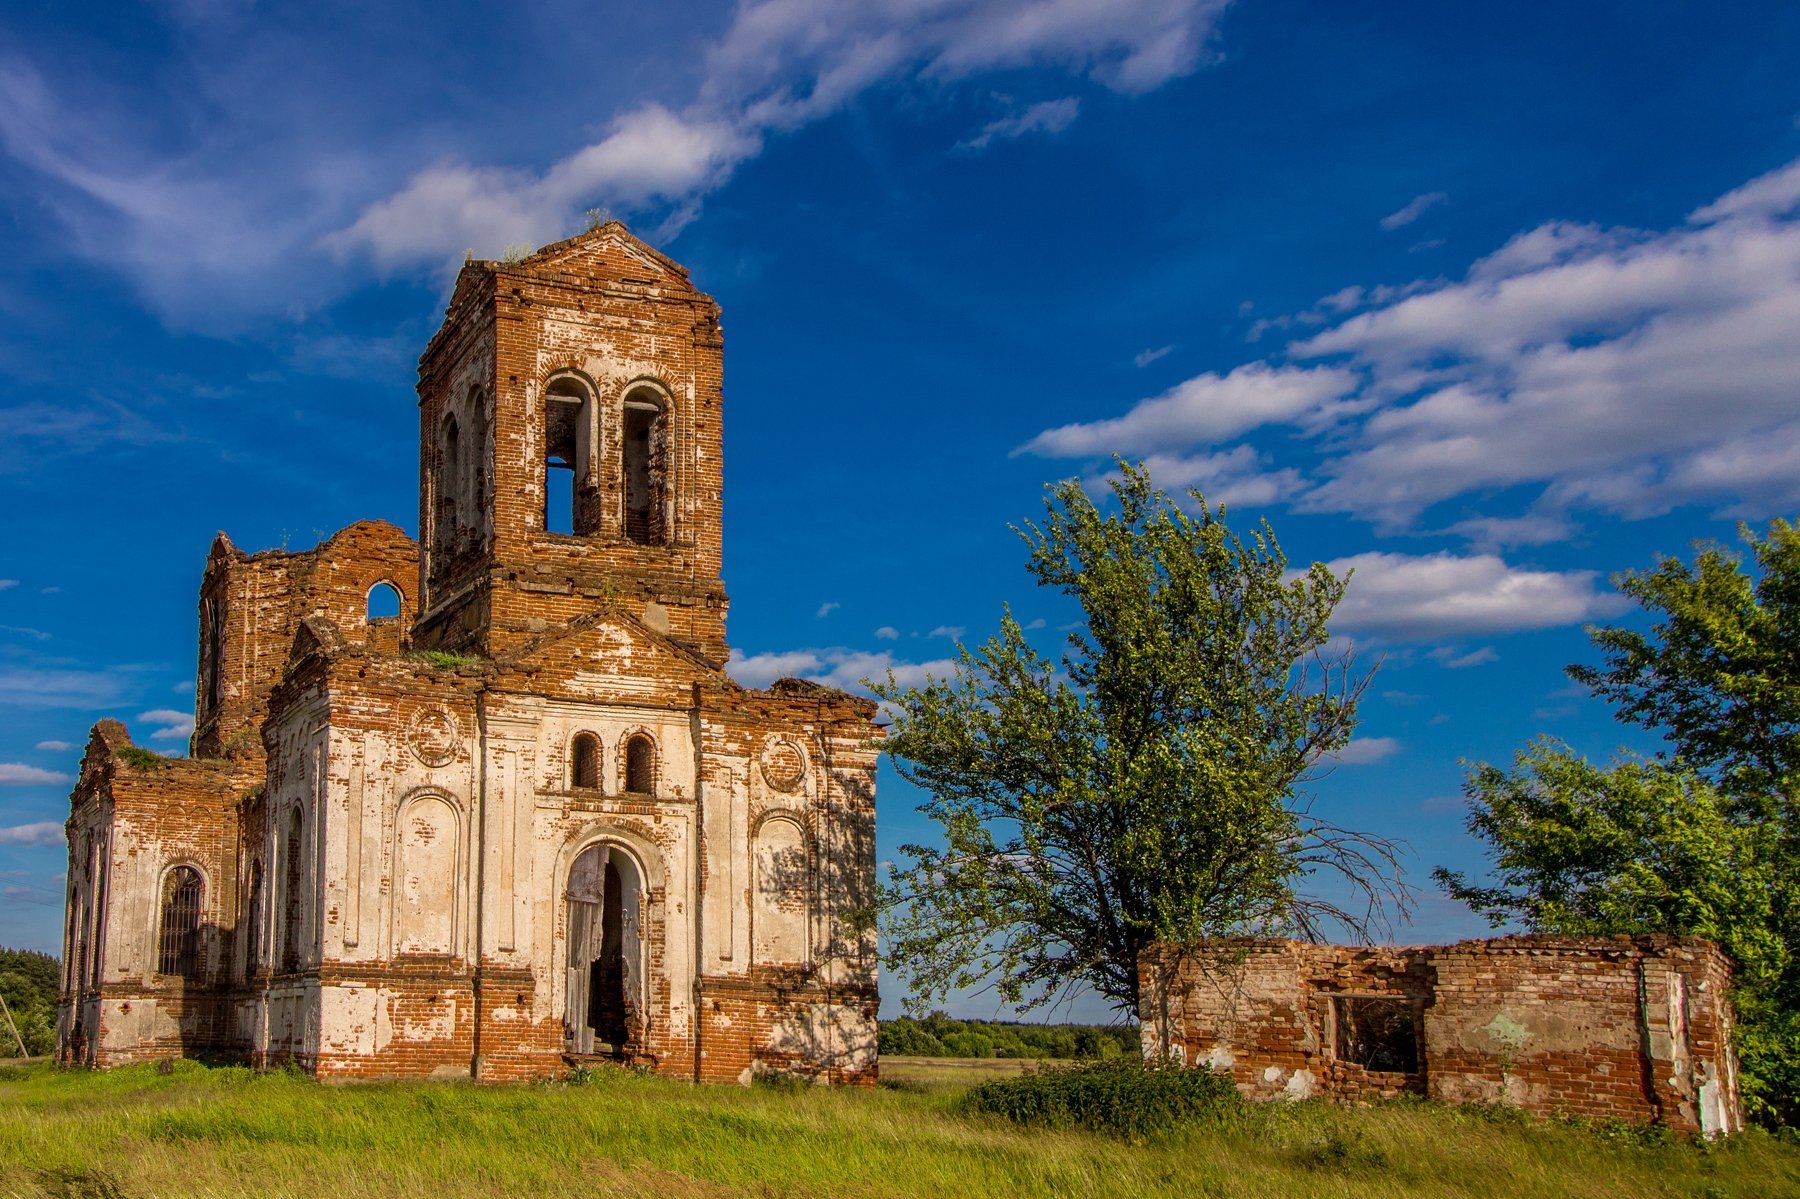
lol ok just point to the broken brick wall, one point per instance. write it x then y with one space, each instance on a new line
1632 1028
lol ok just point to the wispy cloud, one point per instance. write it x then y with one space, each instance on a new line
173 725
1365 751
1048 116
1413 209
1565 368
57 747
18 774
56 687
844 669
1454 658
827 608
1144 358
777 67
1207 407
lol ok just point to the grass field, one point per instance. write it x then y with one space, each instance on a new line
136 1134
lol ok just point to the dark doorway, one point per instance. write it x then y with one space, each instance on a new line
605 975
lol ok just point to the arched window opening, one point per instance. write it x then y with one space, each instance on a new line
475 456
178 944
584 766
212 652
102 875
449 518
253 931
570 504
645 468
383 602
604 987
293 895
640 765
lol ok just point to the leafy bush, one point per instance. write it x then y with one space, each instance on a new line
937 1035
1122 1097
28 984
139 758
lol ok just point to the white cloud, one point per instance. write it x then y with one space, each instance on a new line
1208 407
887 632
5 583
827 608
18 774
42 833
27 687
759 670
650 155
1365 751
55 746
952 631
1049 116
1236 477
177 726
1444 595
1412 210
841 668
1576 366
780 65
1500 532
1578 358
1039 623
1144 358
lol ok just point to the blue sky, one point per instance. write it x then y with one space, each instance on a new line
1487 302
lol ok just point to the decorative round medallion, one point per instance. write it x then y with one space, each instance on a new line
783 765
432 735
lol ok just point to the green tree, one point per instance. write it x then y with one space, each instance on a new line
1642 847
28 984
1718 675
1146 786
1705 842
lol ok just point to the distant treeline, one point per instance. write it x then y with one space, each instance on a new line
28 983
937 1035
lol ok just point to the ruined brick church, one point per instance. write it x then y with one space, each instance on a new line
526 821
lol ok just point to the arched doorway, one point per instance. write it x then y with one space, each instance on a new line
605 987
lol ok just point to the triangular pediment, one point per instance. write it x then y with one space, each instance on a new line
610 654
609 252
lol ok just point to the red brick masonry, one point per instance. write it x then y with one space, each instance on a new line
1631 1028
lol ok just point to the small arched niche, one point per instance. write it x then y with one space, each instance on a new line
640 765
584 761
780 915
604 988
425 894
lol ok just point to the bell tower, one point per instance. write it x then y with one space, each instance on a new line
570 449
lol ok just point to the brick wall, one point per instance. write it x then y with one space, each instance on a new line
1633 1028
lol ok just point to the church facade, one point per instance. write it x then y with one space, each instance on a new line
527 822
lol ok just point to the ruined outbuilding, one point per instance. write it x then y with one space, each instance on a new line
1628 1028
487 804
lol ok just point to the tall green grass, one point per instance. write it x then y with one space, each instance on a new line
137 1133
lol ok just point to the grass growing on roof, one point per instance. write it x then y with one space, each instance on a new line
227 1132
